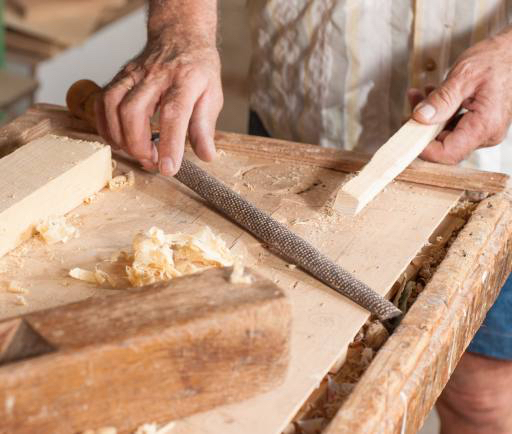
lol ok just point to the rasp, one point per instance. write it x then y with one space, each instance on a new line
80 100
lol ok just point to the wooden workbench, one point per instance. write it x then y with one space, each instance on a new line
296 186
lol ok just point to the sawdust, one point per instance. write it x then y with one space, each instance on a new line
56 230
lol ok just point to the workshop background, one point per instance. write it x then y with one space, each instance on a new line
40 57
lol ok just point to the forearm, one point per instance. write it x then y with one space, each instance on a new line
183 23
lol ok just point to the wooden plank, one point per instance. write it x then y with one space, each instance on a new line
386 164
427 345
168 350
44 10
61 30
47 177
14 87
376 246
20 42
419 172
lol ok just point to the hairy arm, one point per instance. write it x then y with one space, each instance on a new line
178 72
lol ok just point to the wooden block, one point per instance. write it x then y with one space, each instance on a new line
387 163
149 354
47 177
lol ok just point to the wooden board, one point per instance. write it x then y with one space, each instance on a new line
40 10
167 351
48 177
61 30
376 246
386 164
418 172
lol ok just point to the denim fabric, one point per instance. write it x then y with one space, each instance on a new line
494 339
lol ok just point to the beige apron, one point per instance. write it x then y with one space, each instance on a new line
336 72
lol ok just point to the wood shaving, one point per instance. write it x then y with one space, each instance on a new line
88 200
161 257
16 288
238 274
98 277
291 266
121 181
83 275
56 229
20 300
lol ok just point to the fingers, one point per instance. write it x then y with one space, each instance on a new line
451 147
202 124
135 112
442 103
176 110
112 97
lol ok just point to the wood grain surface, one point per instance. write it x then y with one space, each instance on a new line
163 352
400 387
376 246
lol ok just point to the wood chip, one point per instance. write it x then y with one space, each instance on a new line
20 300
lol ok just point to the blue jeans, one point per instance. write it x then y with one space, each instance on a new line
494 338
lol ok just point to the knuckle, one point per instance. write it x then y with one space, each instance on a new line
445 96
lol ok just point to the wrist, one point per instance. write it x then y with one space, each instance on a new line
183 23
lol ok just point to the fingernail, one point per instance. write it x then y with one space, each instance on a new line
426 111
166 166
147 164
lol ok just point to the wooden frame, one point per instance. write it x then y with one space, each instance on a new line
437 329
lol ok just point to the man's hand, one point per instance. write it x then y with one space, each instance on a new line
178 73
481 83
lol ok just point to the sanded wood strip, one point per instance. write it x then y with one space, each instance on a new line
386 164
47 177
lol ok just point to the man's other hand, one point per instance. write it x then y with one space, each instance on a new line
481 83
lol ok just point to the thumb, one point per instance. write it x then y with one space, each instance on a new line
442 103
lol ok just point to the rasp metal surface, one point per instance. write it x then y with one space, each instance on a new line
282 240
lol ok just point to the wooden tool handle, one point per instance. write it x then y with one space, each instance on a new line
81 100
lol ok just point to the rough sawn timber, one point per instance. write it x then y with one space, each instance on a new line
168 350
400 387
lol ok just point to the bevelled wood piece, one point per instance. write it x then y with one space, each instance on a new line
167 351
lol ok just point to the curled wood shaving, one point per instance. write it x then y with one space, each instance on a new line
98 277
238 274
121 181
160 257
